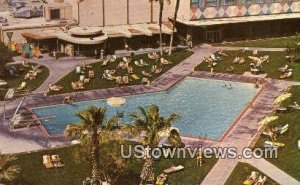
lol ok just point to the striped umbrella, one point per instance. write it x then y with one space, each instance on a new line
282 97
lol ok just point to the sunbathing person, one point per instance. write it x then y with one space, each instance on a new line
164 61
222 53
25 63
155 69
143 63
253 178
91 74
230 68
125 80
144 73
295 106
121 65
129 70
153 56
286 75
145 80
283 69
138 63
55 87
242 60
119 80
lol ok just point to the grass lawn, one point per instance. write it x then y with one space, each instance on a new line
277 60
15 81
99 83
289 156
74 171
242 171
280 42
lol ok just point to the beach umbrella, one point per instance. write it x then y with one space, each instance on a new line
282 97
116 101
267 120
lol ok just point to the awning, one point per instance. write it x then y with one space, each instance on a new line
233 20
38 35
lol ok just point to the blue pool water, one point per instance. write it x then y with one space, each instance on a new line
206 107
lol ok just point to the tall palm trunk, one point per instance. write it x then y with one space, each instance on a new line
147 171
173 28
161 8
95 157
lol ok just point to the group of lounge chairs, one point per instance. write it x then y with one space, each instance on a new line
33 72
52 161
255 179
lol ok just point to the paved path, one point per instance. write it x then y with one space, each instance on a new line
249 48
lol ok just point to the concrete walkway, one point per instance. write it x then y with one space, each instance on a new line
249 48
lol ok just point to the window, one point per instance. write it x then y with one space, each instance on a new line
253 1
228 2
212 2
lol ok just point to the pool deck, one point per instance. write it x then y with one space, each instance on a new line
243 132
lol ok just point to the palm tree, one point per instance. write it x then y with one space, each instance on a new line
89 129
161 9
150 122
8 172
173 28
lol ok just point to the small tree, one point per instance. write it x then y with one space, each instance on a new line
8 171
5 56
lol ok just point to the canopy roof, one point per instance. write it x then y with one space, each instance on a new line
233 20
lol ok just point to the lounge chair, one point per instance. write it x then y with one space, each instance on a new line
78 70
161 179
144 73
164 61
55 88
143 63
295 106
281 130
3 83
242 60
138 63
113 58
129 70
230 69
91 74
286 75
283 69
236 60
173 169
261 180
47 161
135 77
255 52
298 144
119 80
145 80
253 178
56 161
125 80
22 86
25 64
254 71
276 144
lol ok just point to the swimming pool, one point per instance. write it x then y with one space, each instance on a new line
207 107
